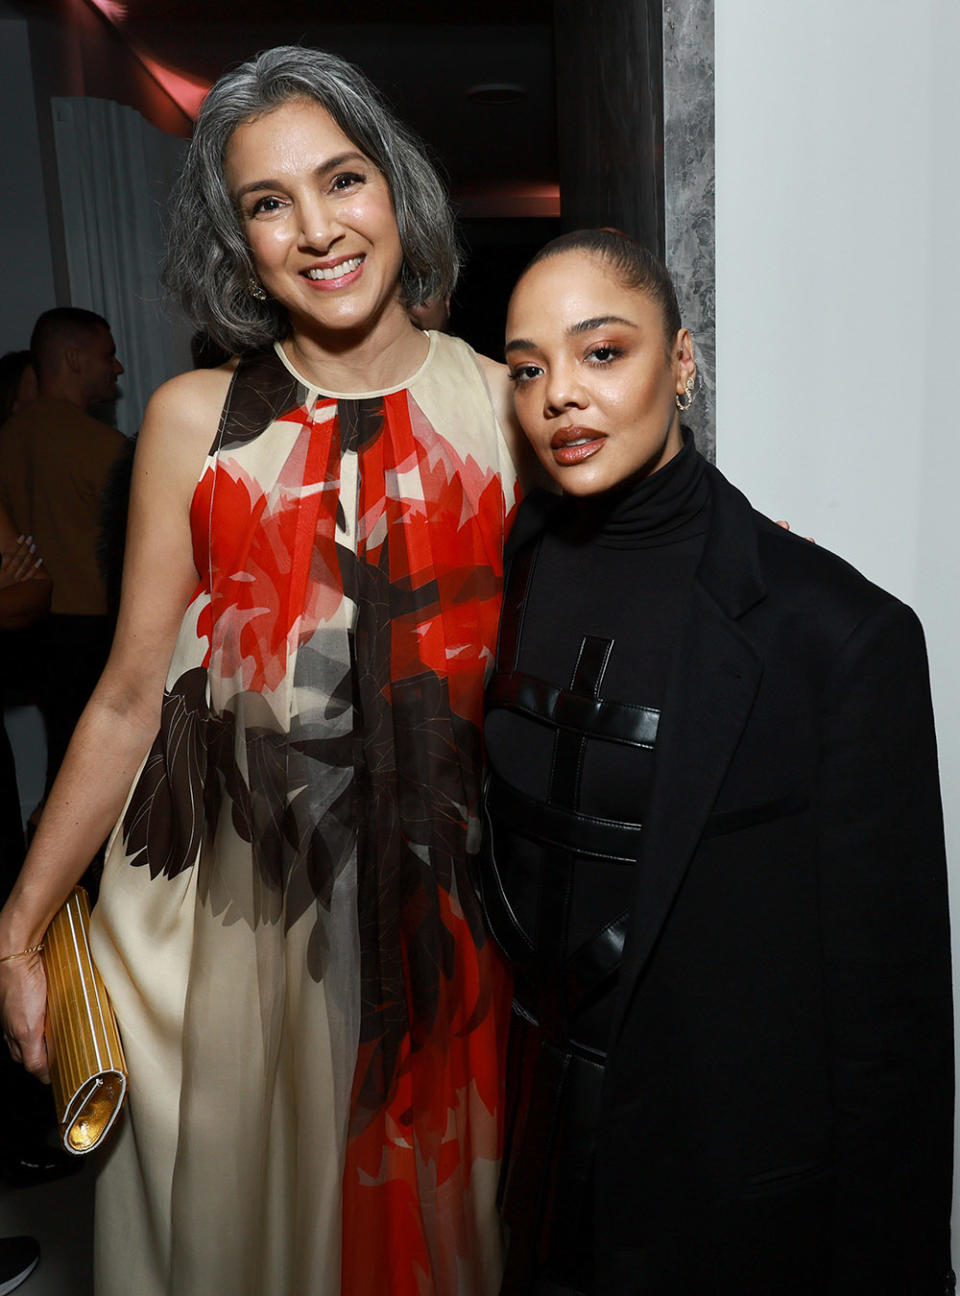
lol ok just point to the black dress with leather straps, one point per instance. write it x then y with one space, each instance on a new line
592 608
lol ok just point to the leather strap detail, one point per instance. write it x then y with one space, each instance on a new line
514 605
593 962
585 835
622 722
591 665
497 909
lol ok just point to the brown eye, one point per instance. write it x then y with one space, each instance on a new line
265 205
521 374
346 180
603 354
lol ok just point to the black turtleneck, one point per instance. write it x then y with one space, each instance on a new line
618 567
606 582
664 508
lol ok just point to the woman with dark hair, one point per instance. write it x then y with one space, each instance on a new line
312 1016
717 862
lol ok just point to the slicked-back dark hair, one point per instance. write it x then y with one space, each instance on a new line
208 264
635 265
57 329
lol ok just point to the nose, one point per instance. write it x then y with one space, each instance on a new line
562 391
318 225
117 367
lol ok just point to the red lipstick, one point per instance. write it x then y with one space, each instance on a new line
571 445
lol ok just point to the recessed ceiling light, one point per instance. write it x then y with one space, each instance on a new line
497 92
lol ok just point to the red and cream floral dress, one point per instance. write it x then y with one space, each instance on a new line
313 1017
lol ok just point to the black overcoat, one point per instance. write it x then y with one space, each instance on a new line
779 1092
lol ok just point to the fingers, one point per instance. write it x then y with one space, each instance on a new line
786 527
23 995
31 1052
20 561
34 1057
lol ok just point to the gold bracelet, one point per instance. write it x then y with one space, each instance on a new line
34 949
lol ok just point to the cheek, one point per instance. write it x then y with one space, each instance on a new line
640 402
372 214
267 243
527 410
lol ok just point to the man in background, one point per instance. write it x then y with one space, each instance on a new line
54 461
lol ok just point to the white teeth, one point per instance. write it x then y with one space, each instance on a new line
335 272
581 441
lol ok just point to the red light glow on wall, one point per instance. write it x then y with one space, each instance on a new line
188 92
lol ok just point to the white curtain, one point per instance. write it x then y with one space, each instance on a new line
115 172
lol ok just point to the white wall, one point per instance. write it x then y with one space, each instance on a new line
838 298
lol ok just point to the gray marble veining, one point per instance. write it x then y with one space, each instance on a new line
688 164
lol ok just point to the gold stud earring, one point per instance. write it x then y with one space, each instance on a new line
256 289
686 400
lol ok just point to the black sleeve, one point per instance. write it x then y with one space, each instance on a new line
886 951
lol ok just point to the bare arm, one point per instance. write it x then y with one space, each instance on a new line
119 723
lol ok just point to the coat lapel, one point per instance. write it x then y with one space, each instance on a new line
708 700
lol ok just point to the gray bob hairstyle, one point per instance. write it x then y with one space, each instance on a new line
208 266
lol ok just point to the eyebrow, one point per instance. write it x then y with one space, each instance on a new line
583 326
331 164
599 321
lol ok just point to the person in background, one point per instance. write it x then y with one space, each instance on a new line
26 1155
18 383
54 460
24 597
717 860
288 730
433 314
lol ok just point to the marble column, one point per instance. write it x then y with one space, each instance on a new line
688 165
635 127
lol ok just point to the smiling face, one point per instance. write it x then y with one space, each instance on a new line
595 377
318 218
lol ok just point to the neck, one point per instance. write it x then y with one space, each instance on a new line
359 359
60 388
648 509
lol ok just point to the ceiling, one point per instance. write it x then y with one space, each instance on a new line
500 158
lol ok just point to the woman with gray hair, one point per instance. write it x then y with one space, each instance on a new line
287 736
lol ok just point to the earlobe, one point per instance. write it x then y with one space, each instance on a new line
686 369
687 394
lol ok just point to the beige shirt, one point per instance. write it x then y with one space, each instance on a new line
54 462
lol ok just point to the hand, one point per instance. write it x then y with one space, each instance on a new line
19 562
786 527
23 1004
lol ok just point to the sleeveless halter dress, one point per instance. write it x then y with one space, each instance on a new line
313 1018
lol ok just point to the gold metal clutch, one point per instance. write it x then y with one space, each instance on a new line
87 1068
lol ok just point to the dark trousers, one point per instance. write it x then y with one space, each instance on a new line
26 1102
73 651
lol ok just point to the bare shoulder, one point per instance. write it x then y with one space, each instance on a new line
498 382
497 378
181 422
192 400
